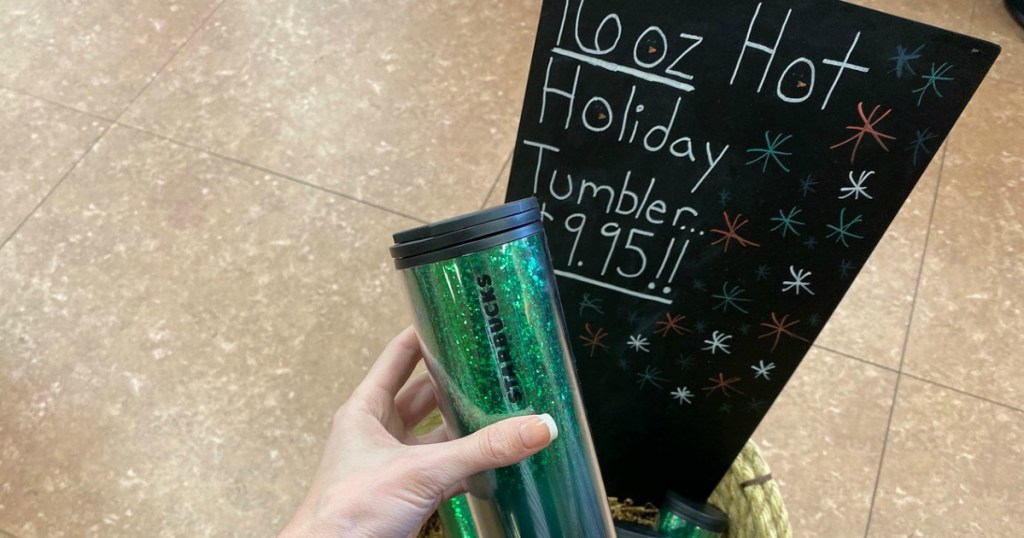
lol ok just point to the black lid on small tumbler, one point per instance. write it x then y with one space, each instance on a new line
467 233
704 515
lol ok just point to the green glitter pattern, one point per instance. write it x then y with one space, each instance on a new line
557 492
671 525
456 518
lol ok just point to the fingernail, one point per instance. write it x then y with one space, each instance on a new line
538 432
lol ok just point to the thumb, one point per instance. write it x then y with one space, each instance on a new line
498 445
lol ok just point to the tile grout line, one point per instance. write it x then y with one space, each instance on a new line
49 101
906 341
156 75
96 142
856 358
963 392
269 171
55 186
215 154
497 179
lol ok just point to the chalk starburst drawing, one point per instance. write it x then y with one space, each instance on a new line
919 145
811 242
807 185
787 221
763 272
932 80
650 375
683 395
732 232
814 320
726 408
904 60
762 370
718 343
779 327
670 323
857 187
845 267
771 152
868 127
593 339
590 303
799 282
727 386
638 343
730 297
757 405
724 196
841 230
698 285
685 361
632 318
701 327
624 363
744 329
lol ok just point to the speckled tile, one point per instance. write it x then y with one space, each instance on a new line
968 326
871 321
95 55
406 104
994 23
39 143
823 441
175 333
952 15
952 467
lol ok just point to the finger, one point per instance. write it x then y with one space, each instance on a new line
394 366
416 401
437 435
498 445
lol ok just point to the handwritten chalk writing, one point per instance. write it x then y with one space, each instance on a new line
650 48
771 50
641 121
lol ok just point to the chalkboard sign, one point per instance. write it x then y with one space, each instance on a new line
713 176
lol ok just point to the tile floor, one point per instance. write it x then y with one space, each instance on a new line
195 203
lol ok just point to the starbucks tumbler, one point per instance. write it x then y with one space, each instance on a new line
487 312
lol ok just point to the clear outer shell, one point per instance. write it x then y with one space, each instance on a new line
494 338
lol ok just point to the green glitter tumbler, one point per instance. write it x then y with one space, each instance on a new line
487 312
680 518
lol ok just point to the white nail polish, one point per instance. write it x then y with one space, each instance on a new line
550 423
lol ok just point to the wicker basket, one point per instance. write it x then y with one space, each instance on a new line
747 493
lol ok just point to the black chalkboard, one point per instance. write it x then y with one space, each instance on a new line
713 176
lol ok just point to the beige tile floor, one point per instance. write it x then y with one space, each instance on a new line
195 203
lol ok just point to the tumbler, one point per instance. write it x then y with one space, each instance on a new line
681 518
488 316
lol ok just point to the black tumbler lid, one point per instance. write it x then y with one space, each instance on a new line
704 515
628 529
466 233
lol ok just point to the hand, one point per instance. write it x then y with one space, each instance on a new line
376 479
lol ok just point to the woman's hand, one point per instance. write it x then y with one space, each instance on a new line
376 479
